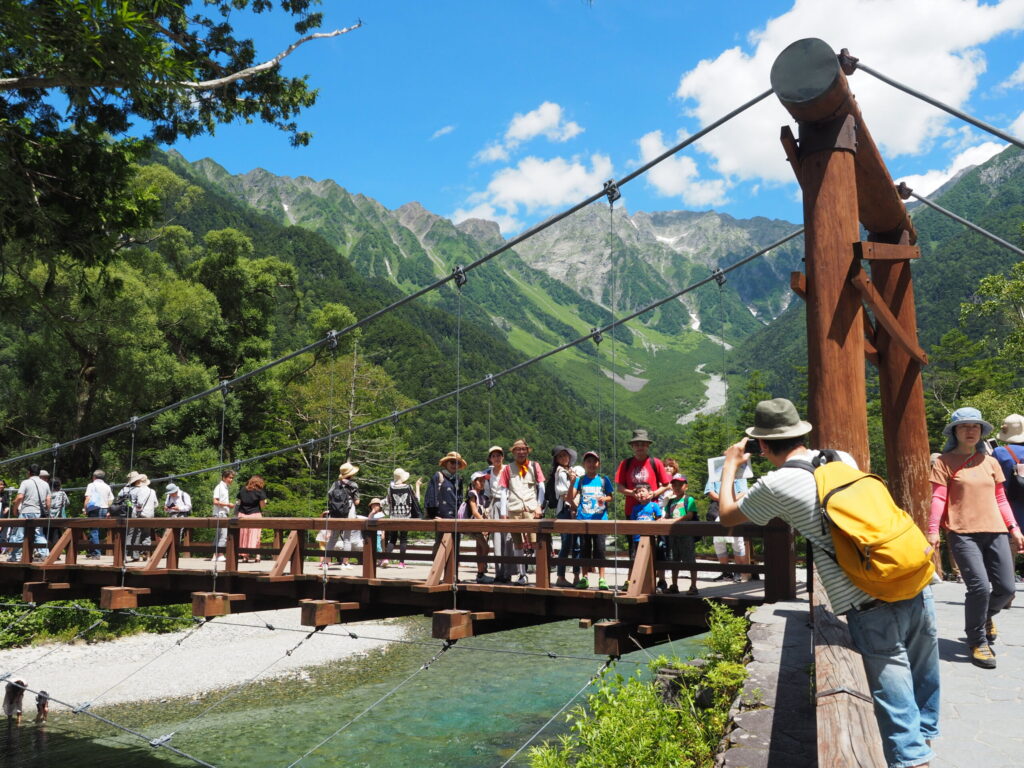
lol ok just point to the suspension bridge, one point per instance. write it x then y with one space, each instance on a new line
852 316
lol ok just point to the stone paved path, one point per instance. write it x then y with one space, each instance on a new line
982 720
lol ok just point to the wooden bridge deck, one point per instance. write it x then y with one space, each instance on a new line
436 585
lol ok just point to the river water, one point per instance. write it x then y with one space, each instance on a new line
470 709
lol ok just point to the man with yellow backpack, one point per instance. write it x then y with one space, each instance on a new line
876 569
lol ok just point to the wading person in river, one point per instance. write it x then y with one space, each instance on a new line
969 500
896 640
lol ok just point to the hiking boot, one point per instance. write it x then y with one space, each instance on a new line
522 581
673 590
662 585
483 578
982 656
563 582
724 577
991 633
693 591
583 583
602 584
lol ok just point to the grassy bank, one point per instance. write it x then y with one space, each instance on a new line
674 721
66 620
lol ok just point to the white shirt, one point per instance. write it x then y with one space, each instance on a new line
181 502
99 493
223 495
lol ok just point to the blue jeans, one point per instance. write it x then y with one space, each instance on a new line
94 533
18 535
901 658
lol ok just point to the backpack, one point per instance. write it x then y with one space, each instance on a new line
1014 483
339 500
877 544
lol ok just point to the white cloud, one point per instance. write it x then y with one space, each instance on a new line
547 120
535 185
1016 80
1017 127
928 182
937 54
677 176
442 132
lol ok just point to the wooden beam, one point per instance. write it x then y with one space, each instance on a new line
885 318
641 574
798 284
208 604
452 625
789 146
872 251
64 542
39 591
442 570
285 556
116 598
542 567
166 546
320 613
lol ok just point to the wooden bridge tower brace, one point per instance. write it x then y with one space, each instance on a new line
845 181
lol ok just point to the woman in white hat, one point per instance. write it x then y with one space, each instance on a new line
342 499
401 503
143 499
969 500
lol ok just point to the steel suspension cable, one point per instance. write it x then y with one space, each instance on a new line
940 105
489 379
425 666
562 709
906 192
131 731
536 229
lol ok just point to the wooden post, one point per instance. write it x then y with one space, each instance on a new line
543 560
442 570
812 87
117 537
369 561
231 548
641 573
779 562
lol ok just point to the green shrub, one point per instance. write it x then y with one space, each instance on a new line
627 723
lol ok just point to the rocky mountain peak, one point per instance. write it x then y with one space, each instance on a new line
485 232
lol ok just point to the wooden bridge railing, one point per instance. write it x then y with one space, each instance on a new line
847 730
290 547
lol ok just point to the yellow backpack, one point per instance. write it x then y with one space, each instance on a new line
877 544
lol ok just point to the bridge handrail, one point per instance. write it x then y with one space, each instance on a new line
847 730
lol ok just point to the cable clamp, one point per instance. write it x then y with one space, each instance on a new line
81 708
596 335
224 387
904 191
353 635
460 276
847 61
394 418
332 340
611 191
552 655
161 740
5 676
719 276
55 448
133 423
489 380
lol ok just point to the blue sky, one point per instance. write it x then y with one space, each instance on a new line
514 110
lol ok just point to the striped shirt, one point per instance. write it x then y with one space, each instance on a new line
792 495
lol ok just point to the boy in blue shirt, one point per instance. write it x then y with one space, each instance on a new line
594 493
646 509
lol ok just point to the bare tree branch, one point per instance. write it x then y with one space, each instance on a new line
19 83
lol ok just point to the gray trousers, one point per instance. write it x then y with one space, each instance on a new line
138 537
220 537
986 565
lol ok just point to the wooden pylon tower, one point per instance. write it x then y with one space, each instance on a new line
846 185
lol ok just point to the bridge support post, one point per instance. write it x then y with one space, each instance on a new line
779 562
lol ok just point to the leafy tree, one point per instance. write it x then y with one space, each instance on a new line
77 75
999 299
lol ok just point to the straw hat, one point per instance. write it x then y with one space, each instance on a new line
777 420
347 470
453 456
141 480
399 476
378 502
520 443
133 477
1012 430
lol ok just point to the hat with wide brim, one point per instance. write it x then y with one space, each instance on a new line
559 448
966 415
640 436
133 478
1012 430
141 480
399 476
453 456
777 419
347 470
494 448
